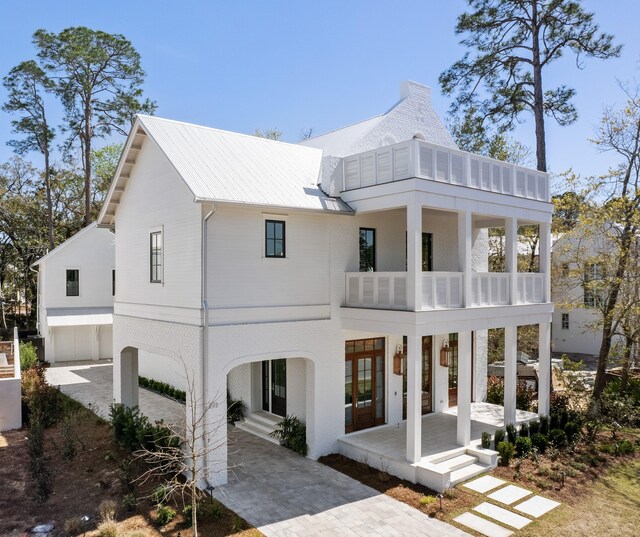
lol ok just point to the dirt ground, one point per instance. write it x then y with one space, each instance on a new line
80 485
577 477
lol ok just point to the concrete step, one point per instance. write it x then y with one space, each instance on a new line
445 455
256 430
264 418
467 472
455 463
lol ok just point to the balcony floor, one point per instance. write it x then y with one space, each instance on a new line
438 433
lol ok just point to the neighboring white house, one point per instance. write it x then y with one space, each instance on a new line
76 283
297 276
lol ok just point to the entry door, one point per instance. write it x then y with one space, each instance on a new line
364 384
279 387
274 386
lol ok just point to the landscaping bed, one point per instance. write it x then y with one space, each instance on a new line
80 485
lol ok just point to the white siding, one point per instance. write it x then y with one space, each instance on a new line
156 196
240 276
92 253
162 368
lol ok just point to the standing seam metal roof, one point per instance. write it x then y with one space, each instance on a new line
225 166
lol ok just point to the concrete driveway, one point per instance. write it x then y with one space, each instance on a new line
278 491
91 383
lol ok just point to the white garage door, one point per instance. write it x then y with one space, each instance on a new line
73 343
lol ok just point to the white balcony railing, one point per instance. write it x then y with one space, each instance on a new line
489 289
384 290
441 290
530 288
415 158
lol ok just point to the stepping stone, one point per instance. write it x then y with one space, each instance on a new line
509 494
484 484
536 506
482 525
502 515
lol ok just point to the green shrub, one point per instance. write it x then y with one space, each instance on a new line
165 514
69 449
486 440
534 427
505 452
293 433
498 437
38 463
236 409
558 438
162 388
624 447
572 430
495 391
40 397
524 429
28 356
108 529
160 494
544 424
523 446
130 427
539 441
129 502
428 500
512 433
554 421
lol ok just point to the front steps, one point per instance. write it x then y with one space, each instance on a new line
261 424
448 469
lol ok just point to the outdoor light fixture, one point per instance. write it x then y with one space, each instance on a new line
397 360
446 354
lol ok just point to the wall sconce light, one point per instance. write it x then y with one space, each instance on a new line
397 360
446 354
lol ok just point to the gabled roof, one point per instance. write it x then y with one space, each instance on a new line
227 167
66 243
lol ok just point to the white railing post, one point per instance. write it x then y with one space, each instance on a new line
16 353
464 255
511 257
414 258
545 260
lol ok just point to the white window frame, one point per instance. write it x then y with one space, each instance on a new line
564 321
65 282
151 231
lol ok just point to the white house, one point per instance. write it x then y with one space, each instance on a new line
76 284
297 276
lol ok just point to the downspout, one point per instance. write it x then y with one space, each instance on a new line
204 320
37 298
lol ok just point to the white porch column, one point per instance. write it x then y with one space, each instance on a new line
414 256
414 399
511 256
465 241
545 259
464 388
544 368
510 374
125 377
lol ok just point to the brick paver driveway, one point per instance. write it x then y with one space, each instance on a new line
284 494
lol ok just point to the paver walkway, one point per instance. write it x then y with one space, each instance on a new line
276 490
91 383
284 494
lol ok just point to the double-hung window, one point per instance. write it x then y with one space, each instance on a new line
73 282
274 237
593 288
155 257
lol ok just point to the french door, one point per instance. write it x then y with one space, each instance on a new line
426 382
364 379
274 386
453 369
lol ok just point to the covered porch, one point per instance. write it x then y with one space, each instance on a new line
443 462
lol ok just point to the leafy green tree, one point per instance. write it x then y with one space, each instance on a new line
514 42
270 134
98 77
104 162
26 86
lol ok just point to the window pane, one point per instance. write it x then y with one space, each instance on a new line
367 250
73 282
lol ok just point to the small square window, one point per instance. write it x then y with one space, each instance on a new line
565 321
155 257
274 238
73 282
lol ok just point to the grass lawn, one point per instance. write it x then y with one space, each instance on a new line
610 506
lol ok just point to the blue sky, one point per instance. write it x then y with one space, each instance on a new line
293 65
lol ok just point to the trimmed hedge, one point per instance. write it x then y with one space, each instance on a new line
162 388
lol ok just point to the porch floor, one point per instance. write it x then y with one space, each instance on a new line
438 433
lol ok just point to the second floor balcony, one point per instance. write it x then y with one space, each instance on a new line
442 290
